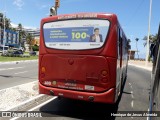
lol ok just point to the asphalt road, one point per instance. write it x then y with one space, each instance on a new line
135 97
17 73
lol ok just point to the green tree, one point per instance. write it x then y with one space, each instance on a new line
7 22
22 34
137 39
152 38
29 39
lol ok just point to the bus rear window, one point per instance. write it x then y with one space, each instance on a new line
76 34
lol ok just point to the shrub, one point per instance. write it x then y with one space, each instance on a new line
35 48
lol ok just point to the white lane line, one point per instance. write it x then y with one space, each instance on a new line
131 87
10 68
132 104
129 83
132 96
40 105
148 116
20 72
32 109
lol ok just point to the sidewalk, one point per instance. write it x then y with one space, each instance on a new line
140 64
13 96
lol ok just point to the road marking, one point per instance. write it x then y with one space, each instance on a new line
132 104
132 96
129 83
38 106
21 72
19 85
148 116
10 68
32 109
131 87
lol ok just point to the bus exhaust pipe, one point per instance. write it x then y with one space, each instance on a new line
51 92
91 98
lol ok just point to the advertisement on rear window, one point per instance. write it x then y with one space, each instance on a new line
75 34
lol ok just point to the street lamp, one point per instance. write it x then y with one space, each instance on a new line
53 11
149 23
4 35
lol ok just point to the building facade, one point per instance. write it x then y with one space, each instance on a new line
11 38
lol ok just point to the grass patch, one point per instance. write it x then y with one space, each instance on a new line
6 59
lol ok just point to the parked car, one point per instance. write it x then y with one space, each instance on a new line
5 49
12 53
32 53
17 53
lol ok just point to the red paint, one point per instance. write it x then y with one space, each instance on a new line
81 67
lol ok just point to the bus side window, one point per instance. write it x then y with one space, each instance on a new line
120 40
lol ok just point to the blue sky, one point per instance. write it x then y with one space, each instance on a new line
132 14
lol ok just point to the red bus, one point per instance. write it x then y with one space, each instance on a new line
82 56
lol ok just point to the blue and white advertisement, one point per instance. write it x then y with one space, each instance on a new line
76 34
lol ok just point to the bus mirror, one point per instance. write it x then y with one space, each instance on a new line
52 11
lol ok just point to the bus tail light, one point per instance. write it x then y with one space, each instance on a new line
104 73
43 70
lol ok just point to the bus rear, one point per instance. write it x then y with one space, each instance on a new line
78 57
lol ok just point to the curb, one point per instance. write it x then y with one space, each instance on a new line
27 103
142 67
18 85
15 62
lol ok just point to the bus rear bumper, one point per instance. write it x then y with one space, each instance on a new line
105 97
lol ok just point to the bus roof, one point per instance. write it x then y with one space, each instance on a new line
80 16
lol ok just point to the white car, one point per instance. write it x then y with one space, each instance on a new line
5 49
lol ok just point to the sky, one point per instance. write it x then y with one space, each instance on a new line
132 14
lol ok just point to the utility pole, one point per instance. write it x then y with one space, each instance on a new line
1 23
53 9
149 23
4 31
57 5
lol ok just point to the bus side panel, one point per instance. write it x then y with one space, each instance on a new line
112 62
110 49
105 97
42 48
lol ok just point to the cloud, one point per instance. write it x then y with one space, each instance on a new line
18 3
14 25
26 27
44 6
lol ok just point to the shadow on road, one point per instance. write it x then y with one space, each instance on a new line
12 76
80 109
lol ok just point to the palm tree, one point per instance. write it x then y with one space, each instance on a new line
152 38
21 34
29 39
1 19
20 27
137 39
7 22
